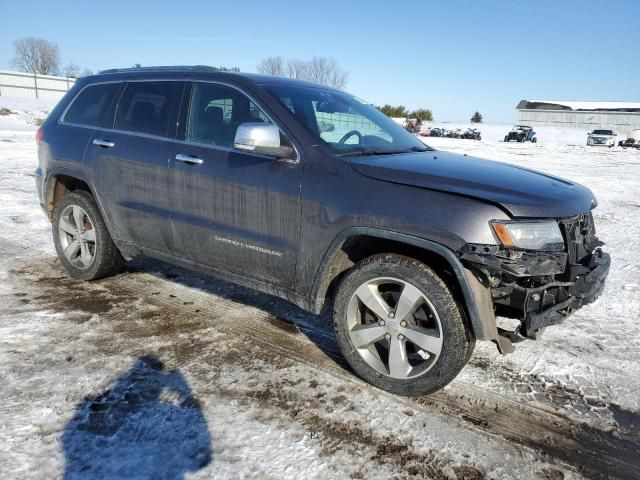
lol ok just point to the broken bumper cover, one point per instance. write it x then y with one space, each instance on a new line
583 291
537 288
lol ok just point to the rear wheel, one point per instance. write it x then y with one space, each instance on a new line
399 327
82 240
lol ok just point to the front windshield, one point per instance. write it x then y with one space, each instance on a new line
346 124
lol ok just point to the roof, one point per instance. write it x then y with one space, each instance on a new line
205 69
578 106
163 68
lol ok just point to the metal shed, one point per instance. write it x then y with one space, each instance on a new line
621 117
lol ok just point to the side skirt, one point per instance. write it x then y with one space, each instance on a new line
130 251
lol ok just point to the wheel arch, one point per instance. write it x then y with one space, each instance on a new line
356 243
60 182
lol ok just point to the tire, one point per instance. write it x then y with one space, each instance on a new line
534 140
94 255
367 340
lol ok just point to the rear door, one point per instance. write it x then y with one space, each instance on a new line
91 109
233 210
132 163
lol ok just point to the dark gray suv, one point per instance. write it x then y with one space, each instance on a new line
311 194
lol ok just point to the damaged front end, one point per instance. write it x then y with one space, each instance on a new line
540 288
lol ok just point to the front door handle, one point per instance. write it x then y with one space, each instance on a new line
188 159
104 143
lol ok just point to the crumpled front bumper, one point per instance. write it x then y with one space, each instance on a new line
584 290
538 288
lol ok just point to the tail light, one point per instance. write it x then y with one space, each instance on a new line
39 136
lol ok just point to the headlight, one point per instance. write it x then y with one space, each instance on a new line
543 235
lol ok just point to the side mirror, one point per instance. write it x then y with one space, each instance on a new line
262 139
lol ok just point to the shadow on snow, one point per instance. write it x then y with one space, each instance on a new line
146 425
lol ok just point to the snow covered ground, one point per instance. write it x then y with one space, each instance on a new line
162 373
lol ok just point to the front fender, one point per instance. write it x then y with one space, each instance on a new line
477 298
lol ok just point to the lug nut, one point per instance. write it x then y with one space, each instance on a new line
388 336
391 314
381 323
401 337
403 324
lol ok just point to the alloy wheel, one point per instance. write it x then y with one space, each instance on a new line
394 327
77 236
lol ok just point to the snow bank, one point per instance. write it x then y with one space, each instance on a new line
25 113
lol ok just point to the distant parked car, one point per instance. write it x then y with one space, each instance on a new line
521 133
604 138
632 141
425 131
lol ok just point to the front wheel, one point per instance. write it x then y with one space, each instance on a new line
399 326
82 240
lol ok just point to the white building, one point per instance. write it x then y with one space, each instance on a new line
621 117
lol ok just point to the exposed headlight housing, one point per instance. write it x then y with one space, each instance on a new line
529 235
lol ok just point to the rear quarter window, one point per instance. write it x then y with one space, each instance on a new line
94 106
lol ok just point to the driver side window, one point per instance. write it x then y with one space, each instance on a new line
216 111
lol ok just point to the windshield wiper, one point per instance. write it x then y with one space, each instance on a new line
377 151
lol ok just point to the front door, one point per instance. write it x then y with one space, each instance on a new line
234 211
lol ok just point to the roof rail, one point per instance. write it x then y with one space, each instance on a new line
167 68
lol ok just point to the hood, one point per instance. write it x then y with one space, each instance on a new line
522 192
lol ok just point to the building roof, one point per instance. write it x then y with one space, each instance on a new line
578 106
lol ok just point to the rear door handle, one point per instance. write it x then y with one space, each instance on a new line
104 143
188 159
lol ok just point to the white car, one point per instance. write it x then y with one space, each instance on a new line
604 138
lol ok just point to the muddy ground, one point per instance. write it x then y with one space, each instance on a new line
257 355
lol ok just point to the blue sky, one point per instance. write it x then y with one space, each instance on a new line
454 57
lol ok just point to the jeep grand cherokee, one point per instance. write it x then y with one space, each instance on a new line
311 194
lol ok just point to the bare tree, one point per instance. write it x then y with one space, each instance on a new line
325 71
36 55
271 66
86 72
71 70
297 69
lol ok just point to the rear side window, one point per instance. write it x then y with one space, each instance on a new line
149 107
94 106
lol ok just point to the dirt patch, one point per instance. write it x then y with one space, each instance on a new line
467 472
626 419
481 363
551 474
283 324
334 436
